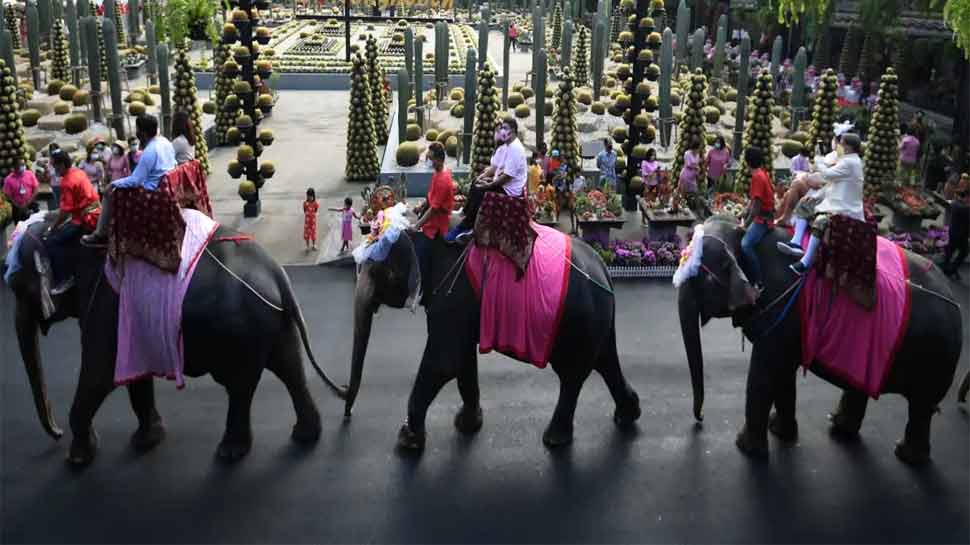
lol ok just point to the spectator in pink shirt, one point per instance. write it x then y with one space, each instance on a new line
20 188
718 159
908 152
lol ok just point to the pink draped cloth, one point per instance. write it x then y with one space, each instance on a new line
520 318
150 307
856 345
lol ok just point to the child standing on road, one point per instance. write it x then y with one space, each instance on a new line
310 207
347 216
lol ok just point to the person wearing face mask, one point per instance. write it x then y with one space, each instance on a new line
507 172
606 164
808 188
20 187
78 212
118 164
92 166
842 196
717 161
158 158
133 153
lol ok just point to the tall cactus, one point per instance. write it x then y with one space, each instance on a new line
742 99
757 131
151 66
566 53
666 71
12 138
483 39
408 51
556 26
470 94
73 39
691 129
598 57
33 42
122 39
882 154
580 62
719 47
44 17
418 82
134 29
162 55
506 61
541 70
849 57
103 58
114 79
362 163
798 87
564 132
12 19
187 101
375 77
226 114
538 44
60 58
6 52
486 120
683 28
776 48
441 56
697 50
823 115
89 28
403 97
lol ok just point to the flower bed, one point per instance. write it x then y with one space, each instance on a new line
928 242
641 258
730 204
598 205
910 201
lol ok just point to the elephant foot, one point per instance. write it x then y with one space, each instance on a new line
628 413
83 449
469 420
786 431
148 437
842 429
306 432
912 455
757 448
233 449
553 437
410 440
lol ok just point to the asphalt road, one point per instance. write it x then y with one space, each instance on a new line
669 481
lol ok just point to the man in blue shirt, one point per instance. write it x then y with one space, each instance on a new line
606 164
157 159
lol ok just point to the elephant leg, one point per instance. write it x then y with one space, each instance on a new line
847 418
91 392
915 447
238 438
469 417
427 384
753 437
287 364
627 401
560 429
151 430
782 423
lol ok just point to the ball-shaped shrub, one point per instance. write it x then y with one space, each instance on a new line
62 108
81 98
412 132
29 117
67 92
136 108
75 123
515 100
431 135
598 108
407 154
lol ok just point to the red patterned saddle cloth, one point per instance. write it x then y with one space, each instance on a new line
148 224
504 224
848 258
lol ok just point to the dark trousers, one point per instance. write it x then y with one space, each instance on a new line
475 197
959 245
62 247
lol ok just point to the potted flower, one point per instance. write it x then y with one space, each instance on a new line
134 64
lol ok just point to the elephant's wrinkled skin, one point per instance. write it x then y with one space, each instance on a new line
227 332
922 370
586 339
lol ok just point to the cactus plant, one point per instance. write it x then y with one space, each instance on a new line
114 79
719 47
798 86
162 54
867 63
133 22
566 45
33 42
776 58
225 115
419 82
849 58
12 18
483 39
103 55
441 44
882 154
557 22
691 127
375 77
403 98
187 101
60 59
683 28
564 134
598 57
742 97
486 120
12 140
758 129
666 72
580 71
470 98
697 49
541 73
122 39
824 113
362 163
73 40
89 28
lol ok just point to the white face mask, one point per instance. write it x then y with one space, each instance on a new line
93 157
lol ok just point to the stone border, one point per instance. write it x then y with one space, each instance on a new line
654 271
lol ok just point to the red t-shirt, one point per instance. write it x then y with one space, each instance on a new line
762 189
441 195
77 194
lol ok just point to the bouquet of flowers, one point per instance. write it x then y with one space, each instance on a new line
730 204
598 205
911 202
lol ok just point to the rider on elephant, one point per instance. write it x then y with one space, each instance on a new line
157 159
435 212
507 173
77 214
842 196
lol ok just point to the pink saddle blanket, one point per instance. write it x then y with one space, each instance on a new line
520 317
849 342
150 307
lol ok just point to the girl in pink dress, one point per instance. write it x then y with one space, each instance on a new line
310 207
118 164
347 217
718 159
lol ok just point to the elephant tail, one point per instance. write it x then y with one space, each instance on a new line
292 307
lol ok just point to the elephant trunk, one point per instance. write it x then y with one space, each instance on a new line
27 338
363 319
690 330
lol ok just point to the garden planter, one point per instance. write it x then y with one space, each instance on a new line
364 229
197 32
652 271
134 71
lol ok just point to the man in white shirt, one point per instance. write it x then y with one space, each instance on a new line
842 195
507 172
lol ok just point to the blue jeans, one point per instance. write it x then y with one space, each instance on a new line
749 245
62 248
56 195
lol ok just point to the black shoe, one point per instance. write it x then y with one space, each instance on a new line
63 287
798 268
790 248
94 240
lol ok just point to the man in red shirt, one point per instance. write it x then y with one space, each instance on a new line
77 215
761 214
433 221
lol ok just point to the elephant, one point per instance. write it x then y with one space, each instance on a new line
231 330
922 370
585 341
